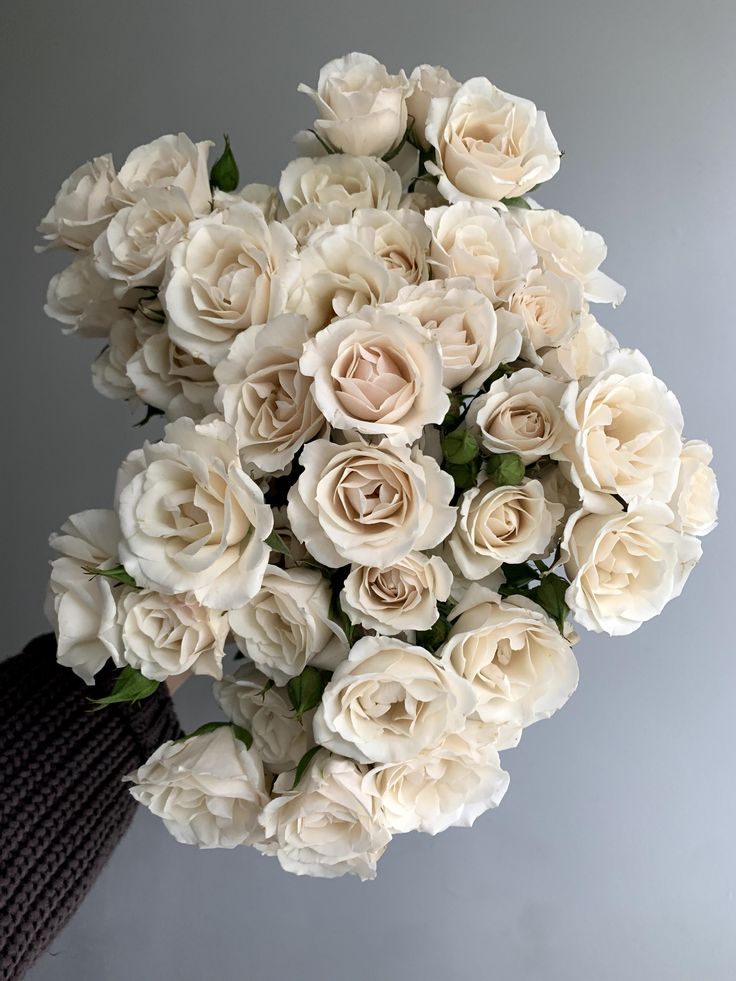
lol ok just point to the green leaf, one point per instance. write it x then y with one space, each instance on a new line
517 203
266 688
432 639
277 544
518 574
303 765
505 469
130 686
502 371
305 691
460 447
464 474
118 575
238 731
550 595
225 174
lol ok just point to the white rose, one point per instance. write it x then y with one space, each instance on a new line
164 636
110 368
377 373
369 504
624 567
551 308
626 433
168 162
81 608
389 702
83 206
501 524
520 667
401 597
521 414
265 397
428 82
568 249
328 825
263 196
136 244
82 300
224 277
489 144
474 338
582 355
695 500
191 519
447 786
287 624
362 107
249 699
473 239
401 241
208 789
171 379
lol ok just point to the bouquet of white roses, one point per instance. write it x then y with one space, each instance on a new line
400 452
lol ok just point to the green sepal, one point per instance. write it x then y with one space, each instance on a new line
550 595
517 203
118 575
305 691
277 544
303 765
130 686
505 469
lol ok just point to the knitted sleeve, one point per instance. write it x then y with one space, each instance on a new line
63 807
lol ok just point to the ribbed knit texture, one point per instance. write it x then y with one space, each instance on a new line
63 806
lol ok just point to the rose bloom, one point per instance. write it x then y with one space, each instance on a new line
695 500
428 82
224 277
473 337
328 825
83 301
110 369
83 206
501 524
249 699
489 144
191 519
287 624
265 397
401 597
551 308
472 239
362 107
377 373
369 504
566 248
262 196
520 667
135 245
447 786
171 379
169 161
624 567
82 609
208 789
626 433
521 414
163 636
401 241
389 702
582 355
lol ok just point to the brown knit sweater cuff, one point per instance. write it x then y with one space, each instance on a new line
63 806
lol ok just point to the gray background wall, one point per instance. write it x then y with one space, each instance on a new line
613 854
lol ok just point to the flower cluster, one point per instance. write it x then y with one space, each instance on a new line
401 451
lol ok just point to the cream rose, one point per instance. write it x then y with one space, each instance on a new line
695 500
226 276
473 239
582 355
249 699
428 82
566 248
474 338
208 789
401 241
489 144
262 196
83 207
369 504
83 301
82 609
287 624
501 524
377 373
520 667
521 414
168 162
401 597
265 397
625 567
328 825
163 636
389 702
551 308
362 107
171 379
110 368
191 519
626 433
447 786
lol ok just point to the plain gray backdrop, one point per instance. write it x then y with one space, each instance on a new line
612 856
